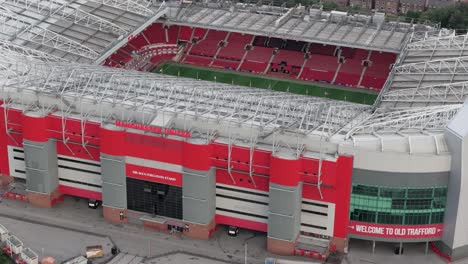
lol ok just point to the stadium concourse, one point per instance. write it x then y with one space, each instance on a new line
83 115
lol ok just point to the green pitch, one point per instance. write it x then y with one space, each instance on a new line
276 84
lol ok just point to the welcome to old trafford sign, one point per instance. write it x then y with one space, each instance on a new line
395 231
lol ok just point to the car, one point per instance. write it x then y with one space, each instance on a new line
233 230
94 203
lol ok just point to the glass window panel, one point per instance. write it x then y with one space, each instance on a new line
420 193
393 192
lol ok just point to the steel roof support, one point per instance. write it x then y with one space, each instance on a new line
67 12
127 5
412 119
12 25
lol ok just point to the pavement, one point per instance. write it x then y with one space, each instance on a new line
65 230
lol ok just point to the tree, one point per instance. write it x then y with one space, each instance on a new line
455 16
413 14
330 6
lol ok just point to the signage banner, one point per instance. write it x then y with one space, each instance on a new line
395 231
153 129
153 175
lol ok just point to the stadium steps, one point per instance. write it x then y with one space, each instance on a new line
362 76
269 63
190 48
312 244
364 69
242 60
302 68
219 49
179 54
336 72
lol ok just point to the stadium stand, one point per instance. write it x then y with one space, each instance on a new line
293 59
235 46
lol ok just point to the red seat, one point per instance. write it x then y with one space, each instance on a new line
295 58
328 50
224 64
196 60
185 33
235 46
155 33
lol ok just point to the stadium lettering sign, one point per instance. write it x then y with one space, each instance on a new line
153 129
153 174
395 231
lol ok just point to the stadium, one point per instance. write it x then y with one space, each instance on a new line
313 127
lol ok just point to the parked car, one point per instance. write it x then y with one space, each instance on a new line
233 230
94 203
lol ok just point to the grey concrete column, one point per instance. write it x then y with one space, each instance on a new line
199 196
114 184
284 216
40 160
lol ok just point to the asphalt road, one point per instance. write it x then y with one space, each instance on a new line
68 228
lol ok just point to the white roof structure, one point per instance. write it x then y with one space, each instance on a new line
48 62
73 30
374 32
432 71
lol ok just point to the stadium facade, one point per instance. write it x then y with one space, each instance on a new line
176 153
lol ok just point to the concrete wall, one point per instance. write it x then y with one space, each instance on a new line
387 161
41 166
114 187
199 195
455 230
400 179
285 212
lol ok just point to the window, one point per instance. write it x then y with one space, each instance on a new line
404 206
154 198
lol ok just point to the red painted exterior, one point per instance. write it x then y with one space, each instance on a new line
344 170
112 142
242 179
252 225
285 171
335 177
197 157
395 231
4 167
80 192
153 175
35 128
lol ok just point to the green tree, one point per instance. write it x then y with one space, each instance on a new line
330 6
413 14
455 16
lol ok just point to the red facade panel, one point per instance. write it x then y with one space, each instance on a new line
73 130
80 192
252 225
153 175
242 179
344 170
153 148
197 157
77 150
4 167
112 142
285 171
15 120
35 128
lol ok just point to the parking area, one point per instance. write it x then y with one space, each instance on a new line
57 242
65 231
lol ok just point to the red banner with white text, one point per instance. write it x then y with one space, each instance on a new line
153 175
395 231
